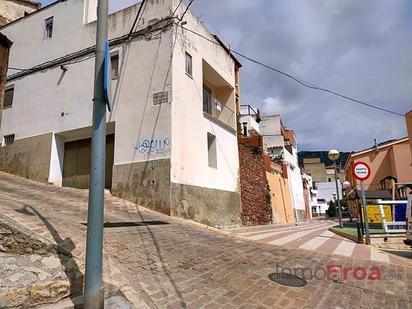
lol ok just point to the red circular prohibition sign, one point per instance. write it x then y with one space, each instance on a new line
359 171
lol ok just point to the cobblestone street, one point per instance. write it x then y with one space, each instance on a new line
317 237
171 263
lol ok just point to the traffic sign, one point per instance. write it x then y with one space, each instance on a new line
361 171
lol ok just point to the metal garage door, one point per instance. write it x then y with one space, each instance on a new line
76 166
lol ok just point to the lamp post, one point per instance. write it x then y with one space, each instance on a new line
333 155
345 186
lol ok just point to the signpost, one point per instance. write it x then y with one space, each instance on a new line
361 171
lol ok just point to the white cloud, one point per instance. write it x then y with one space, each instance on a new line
274 106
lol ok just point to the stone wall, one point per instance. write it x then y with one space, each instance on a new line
17 239
28 157
255 195
208 206
144 183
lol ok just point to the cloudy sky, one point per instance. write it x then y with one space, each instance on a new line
360 48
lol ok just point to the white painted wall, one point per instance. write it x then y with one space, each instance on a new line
251 124
295 179
41 98
270 129
147 66
190 126
326 190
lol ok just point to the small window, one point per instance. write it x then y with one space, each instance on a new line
48 24
207 100
114 59
189 65
329 180
8 139
8 97
212 153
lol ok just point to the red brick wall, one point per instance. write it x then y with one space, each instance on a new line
4 61
255 195
251 140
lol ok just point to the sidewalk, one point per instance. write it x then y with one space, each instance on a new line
316 237
178 264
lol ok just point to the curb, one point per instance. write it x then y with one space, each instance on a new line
348 236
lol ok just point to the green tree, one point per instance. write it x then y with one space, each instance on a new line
333 209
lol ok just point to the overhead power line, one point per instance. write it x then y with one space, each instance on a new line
311 86
187 9
138 15
89 52
299 81
177 7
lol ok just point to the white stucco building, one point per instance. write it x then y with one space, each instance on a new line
280 144
172 143
327 193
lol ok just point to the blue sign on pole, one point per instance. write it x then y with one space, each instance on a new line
107 77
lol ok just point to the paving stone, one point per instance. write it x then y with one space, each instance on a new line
183 265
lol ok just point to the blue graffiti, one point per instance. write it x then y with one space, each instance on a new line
153 146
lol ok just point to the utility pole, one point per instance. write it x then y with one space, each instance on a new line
93 292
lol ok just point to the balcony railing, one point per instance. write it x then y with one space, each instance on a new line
220 112
249 110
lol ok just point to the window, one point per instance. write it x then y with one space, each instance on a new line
114 59
48 24
329 180
8 139
212 153
207 100
8 97
189 65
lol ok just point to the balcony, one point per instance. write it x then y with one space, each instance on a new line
249 120
218 98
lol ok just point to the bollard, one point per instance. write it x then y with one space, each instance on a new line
358 228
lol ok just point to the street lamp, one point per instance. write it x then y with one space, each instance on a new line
345 186
333 155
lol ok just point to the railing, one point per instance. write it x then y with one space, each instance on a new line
247 110
222 113
394 226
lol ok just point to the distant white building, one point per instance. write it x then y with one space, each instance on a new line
281 145
249 120
172 135
313 194
327 193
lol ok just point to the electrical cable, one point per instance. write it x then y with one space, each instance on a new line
301 82
187 9
312 86
135 23
177 7
88 52
17 69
